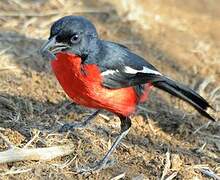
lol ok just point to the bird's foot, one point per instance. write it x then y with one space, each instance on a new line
70 127
78 125
95 167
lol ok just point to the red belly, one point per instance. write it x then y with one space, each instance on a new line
83 84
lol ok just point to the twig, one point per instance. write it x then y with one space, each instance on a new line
27 14
50 13
139 177
201 127
6 102
209 135
16 171
7 68
130 42
104 117
67 163
120 176
9 144
19 3
32 139
201 148
173 175
146 110
214 92
167 165
204 84
151 126
48 153
62 2
209 172
5 50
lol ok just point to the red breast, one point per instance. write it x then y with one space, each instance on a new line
83 84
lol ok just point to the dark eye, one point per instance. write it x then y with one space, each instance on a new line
75 38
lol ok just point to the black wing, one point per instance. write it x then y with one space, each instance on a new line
122 68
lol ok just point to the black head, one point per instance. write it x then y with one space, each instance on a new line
74 34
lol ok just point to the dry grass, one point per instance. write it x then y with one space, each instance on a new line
168 140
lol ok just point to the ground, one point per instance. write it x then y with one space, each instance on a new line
181 38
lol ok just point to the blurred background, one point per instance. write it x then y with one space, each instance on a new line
181 38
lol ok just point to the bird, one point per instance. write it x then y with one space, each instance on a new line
102 74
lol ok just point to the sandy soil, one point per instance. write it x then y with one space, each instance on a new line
179 38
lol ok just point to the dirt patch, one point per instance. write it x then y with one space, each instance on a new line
181 40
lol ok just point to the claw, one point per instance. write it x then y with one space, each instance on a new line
96 167
71 126
78 125
66 127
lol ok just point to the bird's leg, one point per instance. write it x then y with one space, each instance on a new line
103 163
78 125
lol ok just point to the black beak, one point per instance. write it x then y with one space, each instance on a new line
45 49
48 45
51 47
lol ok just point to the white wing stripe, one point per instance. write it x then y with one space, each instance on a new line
130 70
146 70
105 73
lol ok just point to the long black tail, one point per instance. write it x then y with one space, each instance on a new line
184 93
